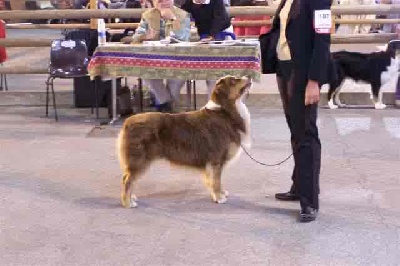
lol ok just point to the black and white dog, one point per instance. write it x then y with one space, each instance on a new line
376 69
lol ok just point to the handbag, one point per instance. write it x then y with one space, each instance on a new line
269 57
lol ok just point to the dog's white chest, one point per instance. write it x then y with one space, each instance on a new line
391 71
245 114
245 140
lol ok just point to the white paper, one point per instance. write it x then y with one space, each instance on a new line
68 44
322 21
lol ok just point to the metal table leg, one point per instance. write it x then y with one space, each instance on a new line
115 116
194 95
140 87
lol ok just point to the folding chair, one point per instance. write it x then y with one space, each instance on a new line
68 59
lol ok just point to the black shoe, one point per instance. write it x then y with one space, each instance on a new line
288 196
308 214
164 108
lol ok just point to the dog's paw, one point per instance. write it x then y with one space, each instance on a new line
332 105
380 106
129 202
133 203
221 199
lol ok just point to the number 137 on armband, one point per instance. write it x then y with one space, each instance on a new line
323 21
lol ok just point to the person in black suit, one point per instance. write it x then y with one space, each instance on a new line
301 60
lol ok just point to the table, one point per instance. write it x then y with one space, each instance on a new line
175 61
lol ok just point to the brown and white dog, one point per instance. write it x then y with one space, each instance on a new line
206 139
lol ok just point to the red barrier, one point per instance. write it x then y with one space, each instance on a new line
251 30
3 53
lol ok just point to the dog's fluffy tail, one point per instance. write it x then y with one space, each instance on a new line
122 151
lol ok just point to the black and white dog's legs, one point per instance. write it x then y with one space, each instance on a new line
377 96
334 98
378 103
337 98
331 95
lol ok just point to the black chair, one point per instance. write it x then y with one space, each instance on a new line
393 46
68 59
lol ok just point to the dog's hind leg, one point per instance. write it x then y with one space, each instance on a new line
337 97
217 194
128 200
133 164
133 172
335 86
331 94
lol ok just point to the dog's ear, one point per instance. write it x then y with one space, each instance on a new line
220 91
229 81
223 83
219 86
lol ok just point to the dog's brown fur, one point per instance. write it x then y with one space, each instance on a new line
205 139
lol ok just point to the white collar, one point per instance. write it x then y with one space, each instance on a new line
211 105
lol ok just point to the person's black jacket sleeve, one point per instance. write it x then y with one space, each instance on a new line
321 47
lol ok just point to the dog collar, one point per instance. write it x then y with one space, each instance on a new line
211 105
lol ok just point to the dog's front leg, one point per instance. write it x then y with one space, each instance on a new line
217 194
377 101
208 181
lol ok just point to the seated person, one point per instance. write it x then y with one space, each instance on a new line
212 21
158 23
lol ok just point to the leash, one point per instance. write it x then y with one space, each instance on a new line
265 164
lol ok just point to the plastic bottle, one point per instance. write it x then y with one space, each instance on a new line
101 32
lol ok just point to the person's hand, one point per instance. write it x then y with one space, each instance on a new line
151 34
166 13
312 93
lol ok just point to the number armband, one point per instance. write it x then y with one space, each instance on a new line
323 21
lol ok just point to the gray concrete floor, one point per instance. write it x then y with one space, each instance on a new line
59 201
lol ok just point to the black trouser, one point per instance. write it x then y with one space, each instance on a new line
301 120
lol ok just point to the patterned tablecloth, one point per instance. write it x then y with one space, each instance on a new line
200 62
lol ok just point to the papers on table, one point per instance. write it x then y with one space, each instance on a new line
250 42
175 42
